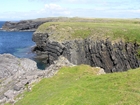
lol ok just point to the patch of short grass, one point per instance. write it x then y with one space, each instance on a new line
80 85
123 29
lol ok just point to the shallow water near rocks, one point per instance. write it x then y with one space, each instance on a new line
19 44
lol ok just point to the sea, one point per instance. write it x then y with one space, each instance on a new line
19 44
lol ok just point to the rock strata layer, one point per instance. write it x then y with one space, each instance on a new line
112 57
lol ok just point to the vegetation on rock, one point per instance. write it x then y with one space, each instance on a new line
115 29
79 85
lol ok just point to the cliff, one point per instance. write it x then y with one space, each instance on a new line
83 45
115 57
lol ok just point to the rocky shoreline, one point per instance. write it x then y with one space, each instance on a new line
18 74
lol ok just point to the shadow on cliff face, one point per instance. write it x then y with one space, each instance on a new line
112 57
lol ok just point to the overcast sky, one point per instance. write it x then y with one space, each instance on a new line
31 9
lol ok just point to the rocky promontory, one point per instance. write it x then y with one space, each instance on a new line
25 25
33 24
29 25
81 44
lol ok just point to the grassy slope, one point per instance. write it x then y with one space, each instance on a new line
124 29
80 85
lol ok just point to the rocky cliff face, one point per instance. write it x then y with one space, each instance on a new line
111 57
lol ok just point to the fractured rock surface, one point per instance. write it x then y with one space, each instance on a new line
115 57
17 74
14 75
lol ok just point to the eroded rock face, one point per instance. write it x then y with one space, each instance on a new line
46 49
115 57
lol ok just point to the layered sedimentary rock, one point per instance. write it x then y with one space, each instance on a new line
112 57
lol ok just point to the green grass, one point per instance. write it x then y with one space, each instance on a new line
115 29
80 85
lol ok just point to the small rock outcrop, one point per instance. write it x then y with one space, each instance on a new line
112 57
61 62
17 74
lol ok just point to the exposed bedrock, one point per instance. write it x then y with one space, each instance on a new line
27 25
112 57
18 74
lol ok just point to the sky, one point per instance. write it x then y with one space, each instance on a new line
32 9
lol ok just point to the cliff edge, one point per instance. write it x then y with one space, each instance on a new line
108 45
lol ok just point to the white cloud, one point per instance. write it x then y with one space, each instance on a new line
53 7
54 10
89 8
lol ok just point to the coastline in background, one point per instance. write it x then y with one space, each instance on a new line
18 44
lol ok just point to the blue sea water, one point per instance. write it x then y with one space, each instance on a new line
18 44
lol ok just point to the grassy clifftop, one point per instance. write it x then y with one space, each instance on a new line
80 85
115 29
